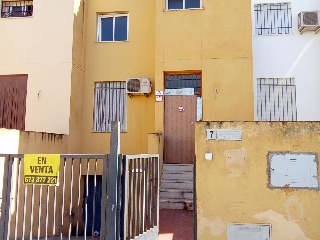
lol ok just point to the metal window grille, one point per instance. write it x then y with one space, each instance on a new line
273 18
177 81
13 94
276 99
110 105
16 9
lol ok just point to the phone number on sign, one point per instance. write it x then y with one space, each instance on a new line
40 180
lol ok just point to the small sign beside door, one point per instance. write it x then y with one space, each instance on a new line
159 96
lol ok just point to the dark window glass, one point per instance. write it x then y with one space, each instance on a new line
178 81
120 33
192 3
175 4
107 29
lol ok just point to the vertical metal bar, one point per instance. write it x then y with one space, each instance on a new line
194 198
94 198
17 205
32 207
134 196
78 201
54 211
142 196
130 200
4 193
104 198
153 192
39 212
11 181
24 211
145 199
147 195
157 164
138 198
119 187
5 205
63 193
124 206
71 191
150 193
47 213
86 201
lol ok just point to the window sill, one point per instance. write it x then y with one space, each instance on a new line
274 35
170 10
16 17
111 41
106 132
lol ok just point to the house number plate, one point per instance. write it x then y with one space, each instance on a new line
224 134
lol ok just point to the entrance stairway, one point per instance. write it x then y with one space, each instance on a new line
176 190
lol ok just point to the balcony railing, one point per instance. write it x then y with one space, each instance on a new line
16 9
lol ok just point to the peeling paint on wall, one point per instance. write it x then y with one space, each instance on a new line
236 162
294 208
281 227
216 227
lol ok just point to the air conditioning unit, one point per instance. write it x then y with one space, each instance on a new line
138 85
309 21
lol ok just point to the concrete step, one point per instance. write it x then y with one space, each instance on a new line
177 168
178 176
177 184
177 204
176 194
176 190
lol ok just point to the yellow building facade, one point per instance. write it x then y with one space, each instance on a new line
160 42
64 66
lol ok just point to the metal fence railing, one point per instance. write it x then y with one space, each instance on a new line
141 198
79 205
42 211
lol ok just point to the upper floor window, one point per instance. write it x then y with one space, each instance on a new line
183 4
112 27
16 9
273 18
110 104
276 99
13 94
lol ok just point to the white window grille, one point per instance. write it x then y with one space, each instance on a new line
273 18
110 104
276 99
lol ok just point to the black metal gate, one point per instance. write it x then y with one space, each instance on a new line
79 206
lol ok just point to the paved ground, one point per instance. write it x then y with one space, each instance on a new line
175 224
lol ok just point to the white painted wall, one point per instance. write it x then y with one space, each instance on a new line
41 46
291 55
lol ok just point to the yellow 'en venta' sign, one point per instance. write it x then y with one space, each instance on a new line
41 169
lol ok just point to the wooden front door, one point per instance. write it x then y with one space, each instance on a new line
179 129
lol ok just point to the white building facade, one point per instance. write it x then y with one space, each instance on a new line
286 61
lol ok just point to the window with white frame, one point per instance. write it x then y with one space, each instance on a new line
276 99
110 104
273 18
183 4
112 27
